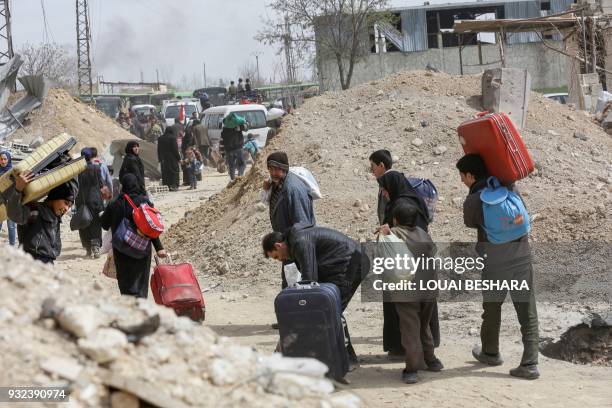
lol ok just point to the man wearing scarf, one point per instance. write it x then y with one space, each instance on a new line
39 223
132 164
290 202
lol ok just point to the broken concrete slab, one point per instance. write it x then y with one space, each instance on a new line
146 392
67 368
8 76
507 90
12 117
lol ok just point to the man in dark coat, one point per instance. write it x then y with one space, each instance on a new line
504 262
289 200
132 164
233 140
321 255
39 223
169 158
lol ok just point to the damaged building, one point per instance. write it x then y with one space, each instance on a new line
421 37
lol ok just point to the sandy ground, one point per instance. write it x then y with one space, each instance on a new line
246 316
244 311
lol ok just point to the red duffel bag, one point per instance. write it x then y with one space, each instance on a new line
494 137
176 286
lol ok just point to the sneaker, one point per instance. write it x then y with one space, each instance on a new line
410 377
486 358
528 372
434 365
95 252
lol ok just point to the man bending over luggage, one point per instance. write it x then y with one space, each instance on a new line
504 262
322 255
39 223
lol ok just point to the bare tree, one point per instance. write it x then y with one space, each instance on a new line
337 28
51 60
249 70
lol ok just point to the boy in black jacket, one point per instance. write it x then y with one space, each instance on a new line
39 224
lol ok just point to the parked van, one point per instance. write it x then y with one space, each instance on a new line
255 115
171 108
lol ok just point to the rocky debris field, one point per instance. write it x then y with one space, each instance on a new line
61 112
415 116
114 351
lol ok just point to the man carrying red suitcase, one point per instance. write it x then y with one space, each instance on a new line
503 262
322 255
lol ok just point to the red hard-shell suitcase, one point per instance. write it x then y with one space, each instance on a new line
494 137
176 286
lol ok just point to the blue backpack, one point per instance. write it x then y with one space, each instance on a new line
505 216
428 192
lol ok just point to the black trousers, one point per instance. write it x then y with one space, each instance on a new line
92 235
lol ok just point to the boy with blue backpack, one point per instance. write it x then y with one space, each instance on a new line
502 222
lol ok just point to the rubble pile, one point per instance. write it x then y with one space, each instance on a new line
61 112
415 116
116 351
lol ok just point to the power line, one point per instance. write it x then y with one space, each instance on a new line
47 33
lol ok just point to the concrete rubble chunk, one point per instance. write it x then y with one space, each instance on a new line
345 400
305 366
439 150
507 90
80 320
222 372
67 368
417 142
104 345
122 399
295 386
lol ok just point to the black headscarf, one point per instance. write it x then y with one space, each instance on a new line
399 189
129 147
130 185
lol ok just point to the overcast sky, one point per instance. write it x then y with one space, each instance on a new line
174 36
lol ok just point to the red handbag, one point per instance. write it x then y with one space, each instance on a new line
148 219
176 286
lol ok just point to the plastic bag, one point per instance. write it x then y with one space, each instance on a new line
390 246
292 274
308 179
107 242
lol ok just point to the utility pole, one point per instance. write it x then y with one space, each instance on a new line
204 73
288 56
83 48
6 48
256 55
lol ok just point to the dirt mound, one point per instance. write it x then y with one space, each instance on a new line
415 116
61 112
95 343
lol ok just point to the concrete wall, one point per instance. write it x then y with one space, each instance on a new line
546 67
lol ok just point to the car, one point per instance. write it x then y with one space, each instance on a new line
143 109
172 108
255 115
560 97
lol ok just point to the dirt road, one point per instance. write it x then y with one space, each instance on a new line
246 315
243 309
